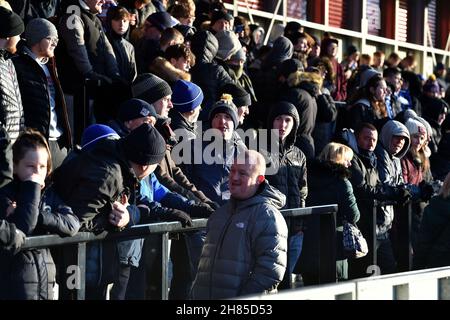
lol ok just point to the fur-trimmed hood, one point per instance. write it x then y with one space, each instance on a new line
308 81
166 71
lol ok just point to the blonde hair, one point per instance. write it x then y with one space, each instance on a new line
336 153
445 190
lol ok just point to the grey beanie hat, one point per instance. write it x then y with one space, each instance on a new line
228 44
38 29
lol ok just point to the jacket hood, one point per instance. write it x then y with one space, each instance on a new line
308 81
204 45
434 108
349 139
287 108
282 50
166 71
395 128
268 194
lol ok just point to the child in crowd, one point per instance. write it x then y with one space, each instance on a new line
34 209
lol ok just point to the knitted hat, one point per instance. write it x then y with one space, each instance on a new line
224 106
186 96
366 75
219 14
289 66
38 29
229 44
240 96
10 24
431 84
415 126
161 20
96 132
144 145
134 109
150 88
239 55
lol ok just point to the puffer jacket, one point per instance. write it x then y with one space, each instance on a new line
206 73
11 110
245 250
288 163
30 274
35 97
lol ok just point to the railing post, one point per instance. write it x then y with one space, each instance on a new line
373 238
327 248
410 248
72 284
165 268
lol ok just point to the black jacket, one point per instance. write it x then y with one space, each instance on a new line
93 180
287 170
35 95
206 73
440 161
302 94
30 274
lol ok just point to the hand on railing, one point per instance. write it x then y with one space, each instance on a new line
119 215
177 215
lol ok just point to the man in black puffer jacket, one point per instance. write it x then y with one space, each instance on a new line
11 112
43 101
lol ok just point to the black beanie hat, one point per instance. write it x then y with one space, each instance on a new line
150 88
134 109
144 145
240 96
10 23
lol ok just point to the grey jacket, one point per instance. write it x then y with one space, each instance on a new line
245 250
389 168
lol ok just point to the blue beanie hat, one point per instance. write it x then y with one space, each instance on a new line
96 132
186 96
134 109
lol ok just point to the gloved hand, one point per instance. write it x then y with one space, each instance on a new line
212 204
200 210
426 191
177 215
402 196
100 78
16 240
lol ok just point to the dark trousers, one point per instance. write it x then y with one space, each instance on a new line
119 289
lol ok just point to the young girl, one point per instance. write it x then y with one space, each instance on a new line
35 209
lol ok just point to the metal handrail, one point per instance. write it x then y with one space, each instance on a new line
75 246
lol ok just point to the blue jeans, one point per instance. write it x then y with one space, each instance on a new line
295 249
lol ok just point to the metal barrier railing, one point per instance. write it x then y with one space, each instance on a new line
426 284
75 247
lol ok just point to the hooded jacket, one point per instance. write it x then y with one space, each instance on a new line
288 162
303 88
245 250
440 161
206 73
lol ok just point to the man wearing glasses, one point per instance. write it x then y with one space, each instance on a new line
42 97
